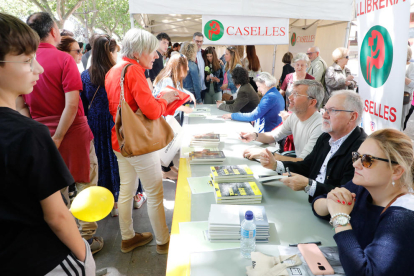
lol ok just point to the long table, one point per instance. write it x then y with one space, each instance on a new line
287 210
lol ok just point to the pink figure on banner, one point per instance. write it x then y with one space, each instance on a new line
215 29
378 62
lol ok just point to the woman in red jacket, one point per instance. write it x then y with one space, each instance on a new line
139 49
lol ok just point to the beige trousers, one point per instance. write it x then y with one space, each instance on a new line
148 168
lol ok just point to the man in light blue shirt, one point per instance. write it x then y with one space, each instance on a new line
198 39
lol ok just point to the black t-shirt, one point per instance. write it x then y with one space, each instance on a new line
31 169
156 67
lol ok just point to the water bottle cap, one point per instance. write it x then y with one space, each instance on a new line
248 215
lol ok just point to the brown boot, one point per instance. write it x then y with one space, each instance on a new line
163 249
140 239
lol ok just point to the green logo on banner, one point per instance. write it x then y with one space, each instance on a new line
293 39
214 30
376 56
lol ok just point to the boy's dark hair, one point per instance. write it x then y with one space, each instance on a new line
88 47
16 37
41 22
162 36
80 45
176 45
240 76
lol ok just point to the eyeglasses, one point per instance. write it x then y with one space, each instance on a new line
347 57
334 111
30 61
78 50
295 95
310 53
366 159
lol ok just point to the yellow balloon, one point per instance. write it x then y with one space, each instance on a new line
92 204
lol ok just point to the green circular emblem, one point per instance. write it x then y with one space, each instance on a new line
376 56
293 39
213 30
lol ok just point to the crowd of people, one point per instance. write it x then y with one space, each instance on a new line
58 138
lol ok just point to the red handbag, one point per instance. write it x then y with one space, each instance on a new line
175 104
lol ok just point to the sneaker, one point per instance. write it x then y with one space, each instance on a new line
141 199
163 249
170 175
140 239
114 212
97 244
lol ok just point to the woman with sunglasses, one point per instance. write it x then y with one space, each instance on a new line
69 45
232 59
373 215
338 76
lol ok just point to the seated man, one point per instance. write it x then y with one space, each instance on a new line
304 123
247 98
329 165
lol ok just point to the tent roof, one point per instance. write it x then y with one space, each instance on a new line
340 10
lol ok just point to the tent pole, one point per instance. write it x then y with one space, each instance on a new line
131 18
348 30
274 60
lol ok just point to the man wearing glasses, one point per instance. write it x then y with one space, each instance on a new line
318 66
198 39
329 165
304 123
55 102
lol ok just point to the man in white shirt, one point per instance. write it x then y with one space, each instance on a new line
329 165
304 123
318 66
198 39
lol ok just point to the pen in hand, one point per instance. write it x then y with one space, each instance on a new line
288 171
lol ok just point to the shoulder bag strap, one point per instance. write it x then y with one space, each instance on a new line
391 202
122 95
89 107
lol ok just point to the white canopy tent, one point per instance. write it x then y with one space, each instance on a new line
181 18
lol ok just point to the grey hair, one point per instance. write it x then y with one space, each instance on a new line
266 78
301 56
316 49
197 34
138 41
352 102
409 53
315 90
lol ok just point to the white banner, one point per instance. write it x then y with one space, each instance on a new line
244 30
301 40
382 40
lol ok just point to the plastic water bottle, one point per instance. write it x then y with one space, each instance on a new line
248 235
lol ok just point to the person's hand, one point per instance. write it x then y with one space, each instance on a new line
284 115
282 92
192 98
221 62
208 78
187 109
224 86
216 79
170 95
218 103
350 78
296 182
57 141
340 200
253 153
247 136
226 116
268 160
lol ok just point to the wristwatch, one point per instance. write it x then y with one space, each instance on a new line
340 221
307 188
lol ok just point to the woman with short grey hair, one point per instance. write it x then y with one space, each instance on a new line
338 76
300 63
139 50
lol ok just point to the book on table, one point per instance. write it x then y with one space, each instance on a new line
206 139
224 222
237 173
237 193
207 157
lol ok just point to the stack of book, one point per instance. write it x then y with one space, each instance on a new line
206 140
229 174
237 193
207 157
224 223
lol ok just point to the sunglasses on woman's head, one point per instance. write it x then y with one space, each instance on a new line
367 160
